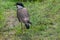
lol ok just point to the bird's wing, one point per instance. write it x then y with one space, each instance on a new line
25 12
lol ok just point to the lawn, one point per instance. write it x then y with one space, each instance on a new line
44 15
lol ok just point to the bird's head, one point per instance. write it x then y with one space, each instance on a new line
19 5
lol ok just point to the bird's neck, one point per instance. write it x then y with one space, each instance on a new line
20 7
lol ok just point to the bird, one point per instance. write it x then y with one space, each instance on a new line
23 15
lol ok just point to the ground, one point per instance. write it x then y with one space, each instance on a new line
45 18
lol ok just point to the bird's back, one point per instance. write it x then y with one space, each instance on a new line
23 14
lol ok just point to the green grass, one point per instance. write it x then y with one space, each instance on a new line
45 18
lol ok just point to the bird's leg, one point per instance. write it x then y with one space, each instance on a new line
22 28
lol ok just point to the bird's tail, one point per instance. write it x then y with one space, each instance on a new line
28 24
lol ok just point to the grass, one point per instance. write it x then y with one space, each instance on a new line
45 18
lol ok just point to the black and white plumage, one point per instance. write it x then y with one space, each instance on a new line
22 15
